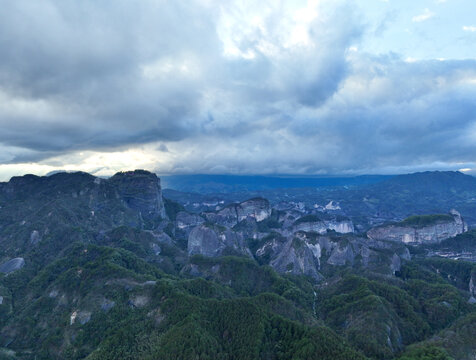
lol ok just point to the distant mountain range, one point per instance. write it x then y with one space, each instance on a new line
374 200
208 184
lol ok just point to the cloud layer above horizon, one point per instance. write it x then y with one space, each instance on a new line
205 86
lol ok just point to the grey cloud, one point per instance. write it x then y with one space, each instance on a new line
87 57
163 148
119 74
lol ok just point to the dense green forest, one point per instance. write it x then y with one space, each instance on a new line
240 311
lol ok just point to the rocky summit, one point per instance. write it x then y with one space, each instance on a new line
140 190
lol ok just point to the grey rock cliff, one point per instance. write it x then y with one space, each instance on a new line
433 233
185 223
321 227
141 191
298 258
472 284
212 241
307 253
12 265
185 220
258 209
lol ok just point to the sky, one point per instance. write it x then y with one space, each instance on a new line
237 87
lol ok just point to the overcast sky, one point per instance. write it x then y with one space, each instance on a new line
237 87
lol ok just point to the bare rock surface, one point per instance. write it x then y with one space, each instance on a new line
213 241
433 230
141 191
258 209
12 265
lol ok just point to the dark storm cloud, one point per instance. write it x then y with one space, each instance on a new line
86 59
204 83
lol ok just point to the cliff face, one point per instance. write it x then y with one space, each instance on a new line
185 223
138 190
258 209
321 227
141 191
298 258
46 213
431 232
213 241
12 265
472 288
306 253
291 242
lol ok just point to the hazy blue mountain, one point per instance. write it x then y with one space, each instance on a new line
206 184
390 199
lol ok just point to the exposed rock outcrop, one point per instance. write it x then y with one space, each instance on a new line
35 237
321 227
81 316
12 265
141 191
299 258
107 304
185 220
307 253
316 224
472 288
213 241
421 229
258 209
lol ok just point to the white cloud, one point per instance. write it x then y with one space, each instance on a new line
427 14
469 28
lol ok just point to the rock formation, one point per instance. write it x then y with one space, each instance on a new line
140 190
424 229
321 226
258 209
213 241
472 288
307 253
12 265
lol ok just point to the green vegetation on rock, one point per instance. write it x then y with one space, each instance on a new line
420 221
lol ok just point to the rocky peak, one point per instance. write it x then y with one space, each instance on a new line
459 220
141 191
257 208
